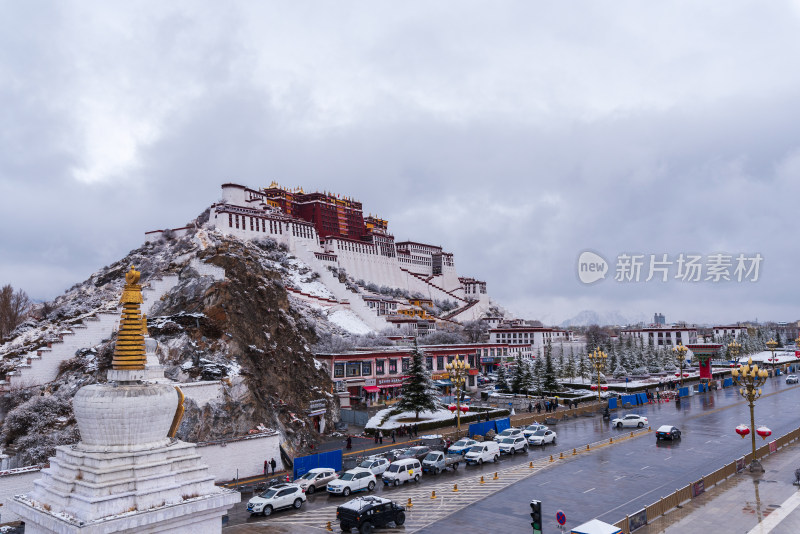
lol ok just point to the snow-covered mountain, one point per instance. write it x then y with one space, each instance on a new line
611 317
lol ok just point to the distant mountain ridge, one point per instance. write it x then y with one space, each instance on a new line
612 317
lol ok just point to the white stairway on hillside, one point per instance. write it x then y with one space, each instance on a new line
41 366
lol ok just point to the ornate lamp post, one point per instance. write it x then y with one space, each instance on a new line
458 370
680 353
772 345
750 379
598 359
734 349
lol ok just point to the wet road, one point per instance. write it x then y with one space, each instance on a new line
607 483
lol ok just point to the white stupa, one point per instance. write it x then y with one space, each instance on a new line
128 473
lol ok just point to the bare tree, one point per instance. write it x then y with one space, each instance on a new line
14 306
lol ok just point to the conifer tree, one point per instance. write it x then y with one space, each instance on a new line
583 367
537 378
549 382
418 393
502 379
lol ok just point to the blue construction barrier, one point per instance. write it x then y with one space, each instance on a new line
612 403
683 392
629 399
480 429
304 464
701 388
728 382
642 397
502 424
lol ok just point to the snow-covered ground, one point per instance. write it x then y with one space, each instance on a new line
348 320
392 422
763 357
304 283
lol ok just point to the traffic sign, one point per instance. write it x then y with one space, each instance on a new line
561 518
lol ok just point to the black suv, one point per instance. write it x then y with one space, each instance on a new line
365 513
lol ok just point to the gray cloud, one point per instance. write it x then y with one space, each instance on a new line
515 137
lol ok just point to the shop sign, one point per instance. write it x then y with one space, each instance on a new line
369 382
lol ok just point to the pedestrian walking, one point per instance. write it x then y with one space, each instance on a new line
349 443
393 440
376 438
416 430
273 463
380 437
538 407
530 407
266 466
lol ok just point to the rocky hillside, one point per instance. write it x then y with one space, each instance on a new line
243 328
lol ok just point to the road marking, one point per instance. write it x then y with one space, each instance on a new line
619 477
588 490
667 458
605 461
777 516
629 453
545 483
645 467
578 471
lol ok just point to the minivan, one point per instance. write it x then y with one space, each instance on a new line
483 452
402 471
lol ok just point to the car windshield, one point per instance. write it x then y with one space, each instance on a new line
460 443
394 468
269 494
506 432
476 448
347 476
365 464
508 440
432 457
308 476
416 450
539 433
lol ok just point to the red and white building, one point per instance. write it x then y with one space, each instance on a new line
728 332
535 336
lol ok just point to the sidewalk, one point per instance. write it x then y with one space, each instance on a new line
745 503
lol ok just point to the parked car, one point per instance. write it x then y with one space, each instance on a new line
508 433
668 432
402 471
483 452
461 447
364 513
377 465
419 452
436 462
528 431
512 445
277 497
543 437
357 479
630 420
791 379
315 479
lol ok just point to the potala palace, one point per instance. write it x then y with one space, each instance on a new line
331 235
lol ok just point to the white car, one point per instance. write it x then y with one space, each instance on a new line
508 433
542 437
630 420
791 379
376 465
528 431
277 497
512 445
315 479
357 479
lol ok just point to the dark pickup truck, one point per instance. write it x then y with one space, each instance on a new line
365 513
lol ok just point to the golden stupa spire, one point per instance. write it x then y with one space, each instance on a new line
129 352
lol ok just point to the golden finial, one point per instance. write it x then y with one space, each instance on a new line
129 352
144 324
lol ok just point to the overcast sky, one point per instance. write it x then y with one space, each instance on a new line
514 134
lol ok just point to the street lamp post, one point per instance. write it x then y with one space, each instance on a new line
680 353
734 349
458 370
750 379
772 345
598 359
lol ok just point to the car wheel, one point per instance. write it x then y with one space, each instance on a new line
416 478
399 519
640 425
554 441
366 528
455 466
298 502
435 470
513 450
371 486
311 489
496 457
619 425
346 491
396 482
267 511
480 461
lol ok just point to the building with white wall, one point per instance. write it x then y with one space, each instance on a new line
660 336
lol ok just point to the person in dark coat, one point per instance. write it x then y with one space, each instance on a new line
272 464
349 443
266 466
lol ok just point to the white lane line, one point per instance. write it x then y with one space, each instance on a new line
588 490
605 461
667 458
543 483
645 467
777 516
578 471
619 477
629 453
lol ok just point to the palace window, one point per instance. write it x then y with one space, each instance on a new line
379 367
338 370
392 367
406 364
429 363
440 362
366 368
353 369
